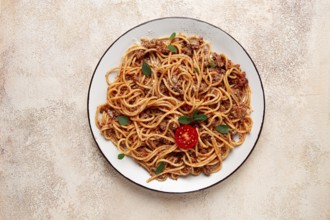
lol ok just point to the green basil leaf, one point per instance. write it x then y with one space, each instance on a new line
212 64
185 120
123 120
200 117
195 113
146 70
171 48
223 129
121 156
196 70
160 168
172 36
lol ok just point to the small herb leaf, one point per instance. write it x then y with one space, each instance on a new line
196 70
223 129
172 36
185 120
146 70
212 64
171 48
123 120
121 156
160 168
195 113
200 117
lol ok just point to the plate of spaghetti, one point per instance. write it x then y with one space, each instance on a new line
176 105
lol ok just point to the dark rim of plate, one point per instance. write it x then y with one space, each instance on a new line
187 18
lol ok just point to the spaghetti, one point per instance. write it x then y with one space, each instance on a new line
185 77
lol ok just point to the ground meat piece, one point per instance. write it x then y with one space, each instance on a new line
238 92
218 77
163 125
223 150
112 113
187 49
219 59
225 104
164 141
200 40
239 111
203 86
142 152
206 63
163 49
214 70
177 89
154 111
173 126
215 122
139 54
203 151
233 132
148 43
187 170
123 89
163 88
154 143
229 64
136 78
157 141
128 77
177 85
110 132
192 154
174 79
207 170
193 160
196 43
159 45
205 138
197 170
241 82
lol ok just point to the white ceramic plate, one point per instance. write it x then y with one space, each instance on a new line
221 43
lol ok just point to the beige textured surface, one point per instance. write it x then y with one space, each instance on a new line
50 166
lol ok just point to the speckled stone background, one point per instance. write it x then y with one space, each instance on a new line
50 167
